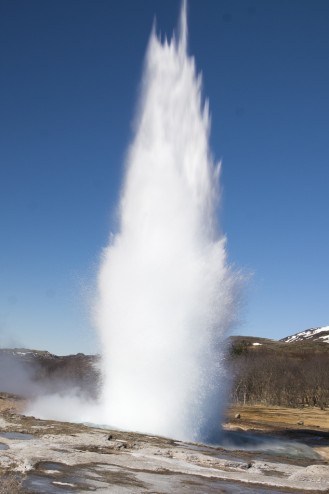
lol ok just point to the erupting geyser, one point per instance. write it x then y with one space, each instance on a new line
165 291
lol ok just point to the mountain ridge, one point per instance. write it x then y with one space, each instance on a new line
320 334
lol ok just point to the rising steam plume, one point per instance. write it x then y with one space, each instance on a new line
165 292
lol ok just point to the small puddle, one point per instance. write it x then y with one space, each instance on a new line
4 446
54 478
44 485
16 435
51 466
48 485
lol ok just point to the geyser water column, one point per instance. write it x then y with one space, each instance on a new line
165 292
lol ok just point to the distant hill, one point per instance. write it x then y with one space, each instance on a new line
313 334
31 372
298 348
291 372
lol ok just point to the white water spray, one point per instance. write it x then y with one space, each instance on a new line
165 292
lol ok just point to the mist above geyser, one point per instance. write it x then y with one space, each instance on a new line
165 292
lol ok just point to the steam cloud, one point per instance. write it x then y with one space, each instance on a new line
166 297
166 294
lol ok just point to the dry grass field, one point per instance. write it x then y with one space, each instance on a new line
272 418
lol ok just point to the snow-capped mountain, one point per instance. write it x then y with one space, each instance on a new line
312 334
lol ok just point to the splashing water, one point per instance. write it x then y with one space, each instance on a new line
165 292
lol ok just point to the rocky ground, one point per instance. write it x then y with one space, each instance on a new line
56 457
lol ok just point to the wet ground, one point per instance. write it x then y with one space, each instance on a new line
81 479
54 457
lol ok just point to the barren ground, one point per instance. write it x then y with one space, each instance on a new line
55 457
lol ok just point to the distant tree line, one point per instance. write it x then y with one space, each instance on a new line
33 373
275 377
271 373
79 372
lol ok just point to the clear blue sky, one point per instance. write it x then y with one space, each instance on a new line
69 79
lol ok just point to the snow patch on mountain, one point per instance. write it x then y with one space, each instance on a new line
313 334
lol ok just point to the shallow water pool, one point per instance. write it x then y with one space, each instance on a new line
16 435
